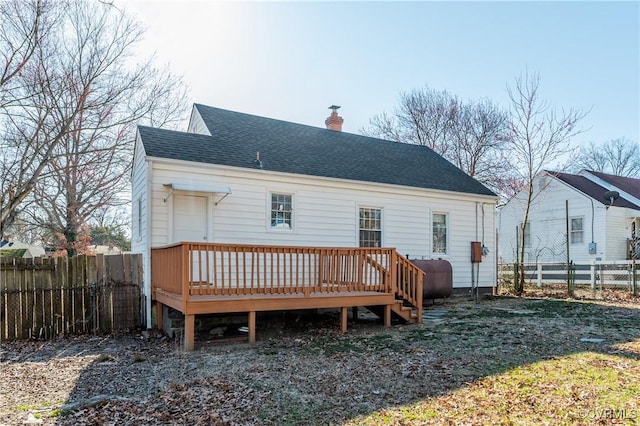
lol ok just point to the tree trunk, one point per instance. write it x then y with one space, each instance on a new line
71 235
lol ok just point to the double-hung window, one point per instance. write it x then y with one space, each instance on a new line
370 225
577 230
439 230
281 211
139 218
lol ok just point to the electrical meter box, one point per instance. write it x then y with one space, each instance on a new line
592 248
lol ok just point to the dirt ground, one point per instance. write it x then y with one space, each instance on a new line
301 370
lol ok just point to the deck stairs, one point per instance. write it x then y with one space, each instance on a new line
408 313
405 307
399 310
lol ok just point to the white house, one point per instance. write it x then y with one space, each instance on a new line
600 211
12 248
239 178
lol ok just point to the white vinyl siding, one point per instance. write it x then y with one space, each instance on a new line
196 123
140 224
607 228
325 212
139 192
618 230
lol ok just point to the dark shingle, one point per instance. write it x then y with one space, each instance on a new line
591 189
627 184
306 150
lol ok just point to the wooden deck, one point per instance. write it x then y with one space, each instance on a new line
204 278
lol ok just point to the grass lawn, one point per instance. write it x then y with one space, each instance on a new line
548 362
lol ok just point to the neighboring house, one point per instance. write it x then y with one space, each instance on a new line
243 179
105 249
12 248
600 211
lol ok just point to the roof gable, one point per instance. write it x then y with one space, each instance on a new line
237 138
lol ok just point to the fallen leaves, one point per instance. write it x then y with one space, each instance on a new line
486 363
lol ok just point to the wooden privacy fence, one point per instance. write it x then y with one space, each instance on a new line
46 297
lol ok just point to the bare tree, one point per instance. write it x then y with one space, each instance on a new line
471 135
620 157
24 25
539 135
90 166
34 121
423 117
479 139
70 145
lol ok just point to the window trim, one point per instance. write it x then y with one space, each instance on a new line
358 229
139 221
572 231
447 248
293 225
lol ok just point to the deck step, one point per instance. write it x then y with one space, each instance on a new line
406 313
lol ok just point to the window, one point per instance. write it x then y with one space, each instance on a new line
139 218
526 234
281 210
439 233
577 230
370 224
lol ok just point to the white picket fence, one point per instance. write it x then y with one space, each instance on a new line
595 273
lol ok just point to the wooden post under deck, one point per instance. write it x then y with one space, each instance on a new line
189 332
387 315
252 326
159 319
343 319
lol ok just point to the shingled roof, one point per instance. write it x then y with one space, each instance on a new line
629 185
592 189
306 150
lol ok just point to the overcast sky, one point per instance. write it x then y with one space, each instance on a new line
291 61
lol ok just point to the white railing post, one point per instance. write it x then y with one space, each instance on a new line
539 274
593 275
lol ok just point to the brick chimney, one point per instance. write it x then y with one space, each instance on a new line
334 121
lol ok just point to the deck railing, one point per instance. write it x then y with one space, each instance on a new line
238 269
167 266
409 282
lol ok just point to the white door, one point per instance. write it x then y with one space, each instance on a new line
190 225
189 218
